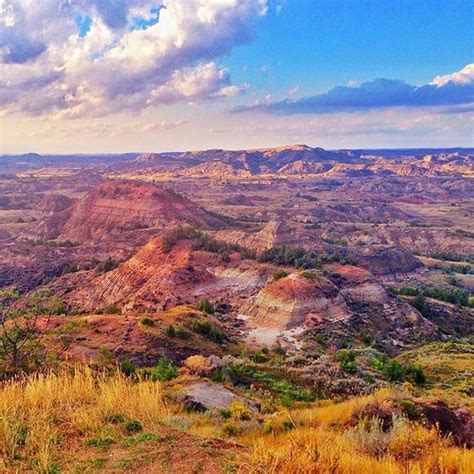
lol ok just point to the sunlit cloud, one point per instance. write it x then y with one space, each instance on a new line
102 56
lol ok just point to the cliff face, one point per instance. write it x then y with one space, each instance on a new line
149 280
291 301
350 302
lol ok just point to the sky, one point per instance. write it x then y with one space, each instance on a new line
90 76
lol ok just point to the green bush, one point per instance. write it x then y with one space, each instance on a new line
344 355
415 374
146 321
183 333
411 410
202 241
408 291
208 330
206 306
232 429
112 309
133 426
115 418
335 241
392 370
100 442
279 274
164 370
127 367
291 256
349 366
346 359
170 331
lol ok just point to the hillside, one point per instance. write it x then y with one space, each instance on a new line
124 206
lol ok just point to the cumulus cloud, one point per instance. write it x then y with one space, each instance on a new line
77 57
463 77
451 90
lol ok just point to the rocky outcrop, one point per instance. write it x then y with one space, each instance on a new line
457 423
294 300
200 396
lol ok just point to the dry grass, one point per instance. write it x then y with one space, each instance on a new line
318 450
42 415
47 422
320 440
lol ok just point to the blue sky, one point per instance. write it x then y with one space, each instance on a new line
319 44
152 75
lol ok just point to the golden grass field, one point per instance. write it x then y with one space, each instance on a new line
79 421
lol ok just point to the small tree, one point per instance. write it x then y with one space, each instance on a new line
21 344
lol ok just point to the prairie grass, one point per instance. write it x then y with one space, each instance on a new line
322 440
42 414
54 421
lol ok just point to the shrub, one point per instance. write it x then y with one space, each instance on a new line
335 241
408 291
127 367
279 274
108 265
202 241
344 355
366 337
348 366
393 371
278 349
419 302
239 411
100 442
183 333
346 359
231 429
292 256
411 410
164 370
133 426
206 306
170 331
415 374
148 321
208 330
112 309
115 418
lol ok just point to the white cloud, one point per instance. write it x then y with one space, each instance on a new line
464 77
294 90
48 65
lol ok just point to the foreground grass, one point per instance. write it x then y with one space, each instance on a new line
41 415
83 422
325 439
